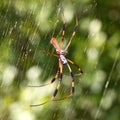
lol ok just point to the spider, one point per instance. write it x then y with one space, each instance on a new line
63 61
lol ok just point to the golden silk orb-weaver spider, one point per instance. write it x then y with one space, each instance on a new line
61 55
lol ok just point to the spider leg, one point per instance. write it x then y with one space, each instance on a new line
72 76
79 69
53 80
60 80
73 34
49 53
63 27
57 88
72 89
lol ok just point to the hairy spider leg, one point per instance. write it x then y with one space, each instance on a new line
49 53
60 80
73 63
73 34
72 88
53 80
63 28
72 76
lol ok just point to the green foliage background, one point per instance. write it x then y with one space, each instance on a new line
26 27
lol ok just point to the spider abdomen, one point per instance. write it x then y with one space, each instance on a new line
63 59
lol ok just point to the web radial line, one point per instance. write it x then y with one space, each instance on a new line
106 85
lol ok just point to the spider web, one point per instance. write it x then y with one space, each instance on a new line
25 29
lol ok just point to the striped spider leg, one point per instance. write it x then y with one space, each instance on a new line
63 28
61 53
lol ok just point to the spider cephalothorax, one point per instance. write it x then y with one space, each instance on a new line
61 53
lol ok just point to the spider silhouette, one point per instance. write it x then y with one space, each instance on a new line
61 55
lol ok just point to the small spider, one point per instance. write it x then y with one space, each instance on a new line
61 53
